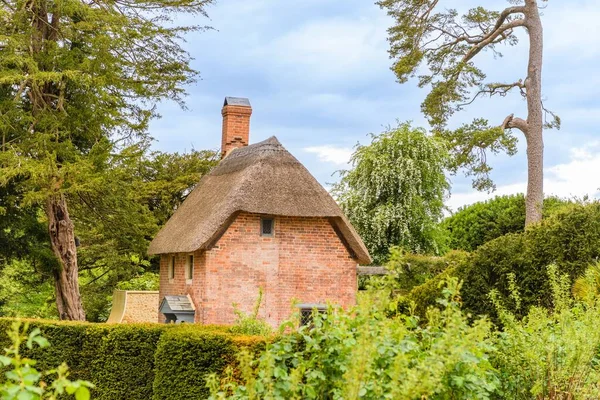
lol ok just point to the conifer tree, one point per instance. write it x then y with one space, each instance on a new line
79 79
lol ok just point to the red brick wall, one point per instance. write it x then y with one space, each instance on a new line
304 261
236 128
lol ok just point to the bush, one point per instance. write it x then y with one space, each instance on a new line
24 381
126 368
184 357
364 354
130 361
478 223
570 239
550 354
407 271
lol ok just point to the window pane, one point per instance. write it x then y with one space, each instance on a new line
266 228
190 268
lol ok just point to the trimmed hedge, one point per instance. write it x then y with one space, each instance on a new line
570 239
138 361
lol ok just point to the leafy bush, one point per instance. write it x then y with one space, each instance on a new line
130 361
570 239
185 356
23 381
362 353
473 225
406 271
251 324
550 354
146 281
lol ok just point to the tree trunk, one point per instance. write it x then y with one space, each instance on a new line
535 142
62 239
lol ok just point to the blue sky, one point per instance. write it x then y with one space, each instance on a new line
317 75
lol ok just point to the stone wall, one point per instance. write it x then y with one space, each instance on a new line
130 306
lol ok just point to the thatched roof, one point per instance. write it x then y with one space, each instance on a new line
262 178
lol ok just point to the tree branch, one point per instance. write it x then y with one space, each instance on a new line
490 37
512 122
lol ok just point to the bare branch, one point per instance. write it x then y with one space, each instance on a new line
512 122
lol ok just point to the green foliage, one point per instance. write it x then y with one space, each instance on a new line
79 84
394 193
570 239
440 46
138 361
123 363
25 291
251 324
146 281
550 354
185 356
587 287
364 354
473 225
24 381
406 271
137 194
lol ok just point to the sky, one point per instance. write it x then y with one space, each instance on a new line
318 76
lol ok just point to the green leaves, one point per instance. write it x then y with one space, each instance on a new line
360 353
395 191
23 381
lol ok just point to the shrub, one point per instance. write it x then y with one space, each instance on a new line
130 361
570 239
550 354
185 356
405 271
362 353
125 369
23 381
478 223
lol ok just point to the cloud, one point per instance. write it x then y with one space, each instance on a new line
577 177
330 154
331 51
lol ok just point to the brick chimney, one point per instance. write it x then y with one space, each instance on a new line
236 124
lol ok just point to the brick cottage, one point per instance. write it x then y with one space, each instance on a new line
257 221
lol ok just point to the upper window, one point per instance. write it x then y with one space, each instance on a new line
267 227
172 267
189 267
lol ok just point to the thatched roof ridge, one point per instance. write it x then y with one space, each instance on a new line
262 178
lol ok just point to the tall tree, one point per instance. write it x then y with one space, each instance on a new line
394 194
78 79
448 44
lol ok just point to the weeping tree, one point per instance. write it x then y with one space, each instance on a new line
394 194
79 79
449 43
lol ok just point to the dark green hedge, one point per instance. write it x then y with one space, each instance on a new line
473 225
570 239
138 361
